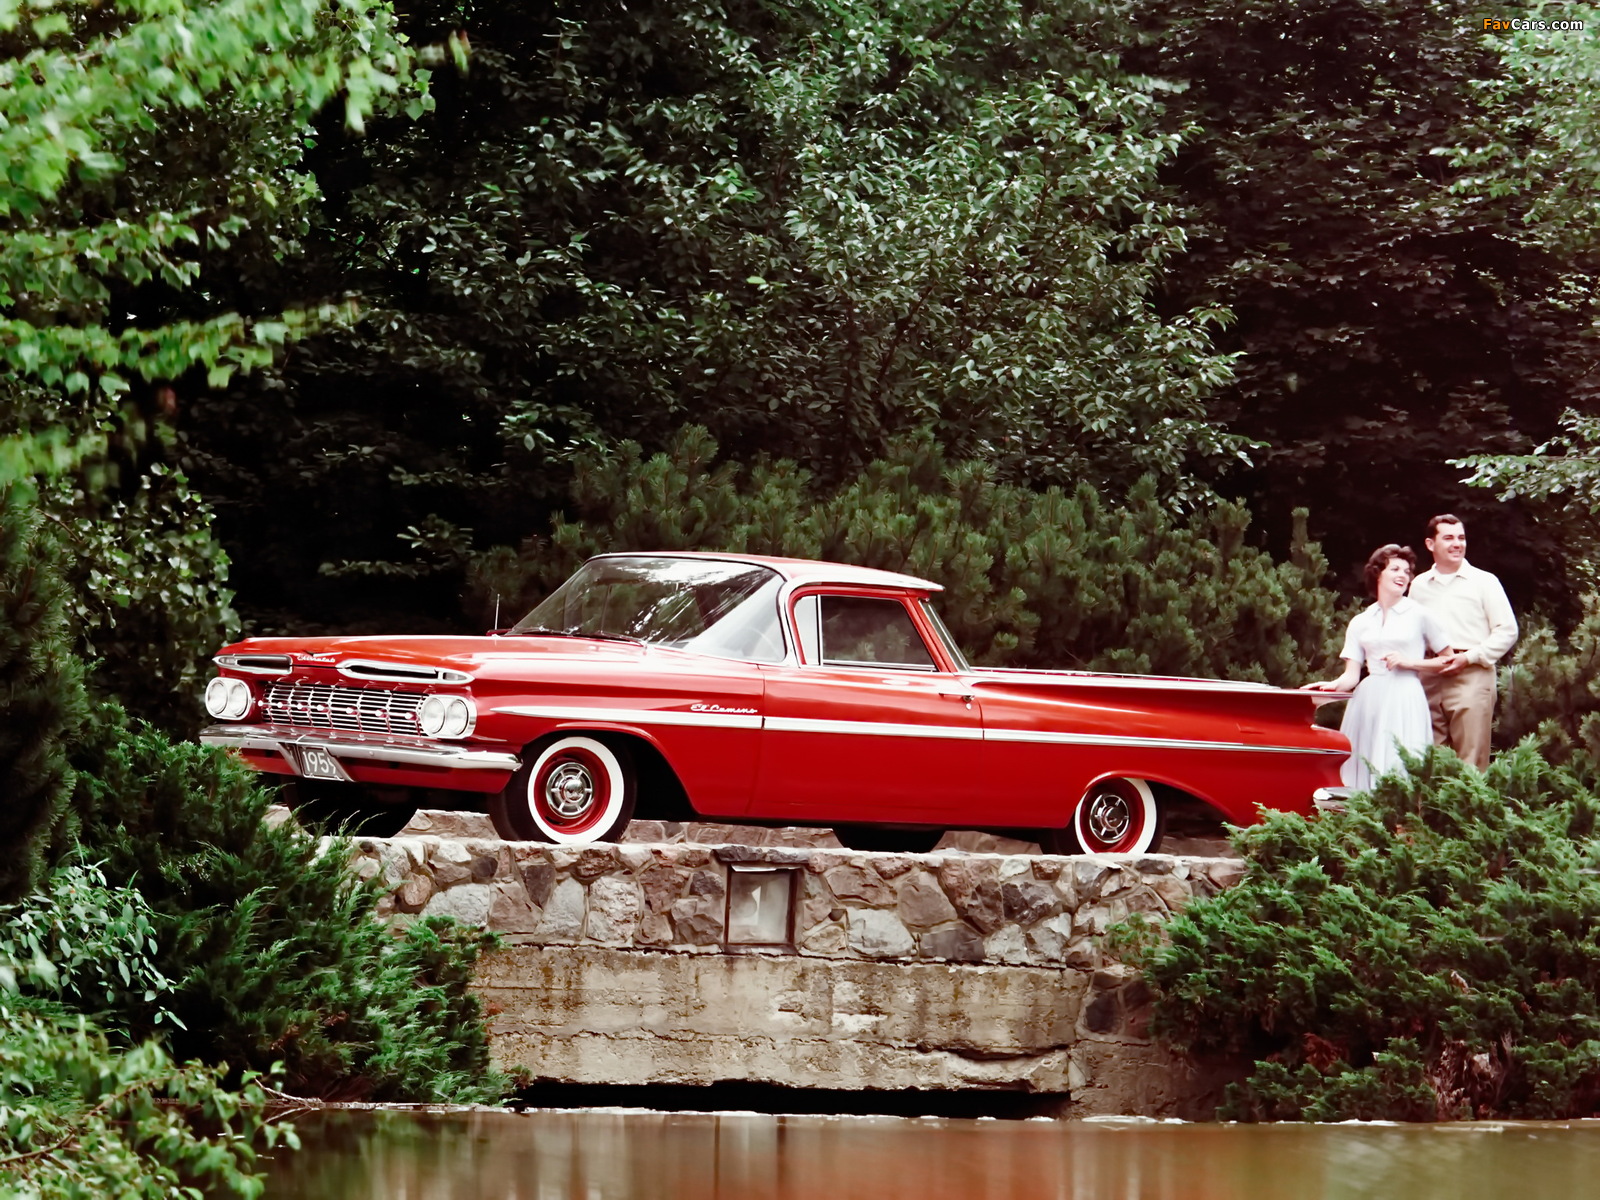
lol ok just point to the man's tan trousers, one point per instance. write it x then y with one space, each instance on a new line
1463 711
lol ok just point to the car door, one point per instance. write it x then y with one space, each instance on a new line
871 725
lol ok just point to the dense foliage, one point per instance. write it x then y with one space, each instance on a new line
1033 578
1395 309
267 935
143 144
813 227
85 1115
42 699
1433 953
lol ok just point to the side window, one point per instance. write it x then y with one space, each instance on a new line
860 630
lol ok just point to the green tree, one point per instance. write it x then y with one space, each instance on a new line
42 699
1431 954
815 227
1389 318
152 152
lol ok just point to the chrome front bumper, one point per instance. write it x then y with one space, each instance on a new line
409 751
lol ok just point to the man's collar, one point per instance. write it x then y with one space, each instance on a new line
1464 570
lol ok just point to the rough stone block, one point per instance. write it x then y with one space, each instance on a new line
1007 945
510 910
891 866
655 929
539 879
878 934
708 884
564 911
467 903
1027 901
662 885
593 862
973 886
614 904
415 892
921 903
635 858
697 921
1047 941
854 882
958 943
826 938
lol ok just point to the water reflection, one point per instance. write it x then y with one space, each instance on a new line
677 1156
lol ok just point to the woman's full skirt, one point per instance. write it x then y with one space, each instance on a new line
1388 707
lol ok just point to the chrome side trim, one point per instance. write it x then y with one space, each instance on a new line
267 737
654 716
1150 743
367 668
964 733
636 716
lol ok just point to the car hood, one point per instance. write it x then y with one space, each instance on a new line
446 651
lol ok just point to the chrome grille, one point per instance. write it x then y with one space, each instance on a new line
355 709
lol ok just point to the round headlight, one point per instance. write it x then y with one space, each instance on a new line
431 716
227 699
458 719
445 717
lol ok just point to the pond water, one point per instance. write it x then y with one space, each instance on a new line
633 1155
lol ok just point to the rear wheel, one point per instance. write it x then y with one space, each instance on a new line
1115 816
873 837
571 791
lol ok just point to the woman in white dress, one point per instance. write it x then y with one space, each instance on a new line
1394 639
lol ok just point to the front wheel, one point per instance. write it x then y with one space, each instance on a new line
1115 816
572 791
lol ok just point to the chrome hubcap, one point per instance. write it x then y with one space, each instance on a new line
569 790
1109 817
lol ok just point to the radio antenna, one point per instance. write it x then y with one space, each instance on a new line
496 624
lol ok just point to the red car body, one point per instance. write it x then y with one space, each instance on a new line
565 735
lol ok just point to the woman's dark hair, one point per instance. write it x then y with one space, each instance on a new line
1380 559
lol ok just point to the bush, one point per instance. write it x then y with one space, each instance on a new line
1433 953
148 592
80 1114
42 699
1551 688
270 937
1033 578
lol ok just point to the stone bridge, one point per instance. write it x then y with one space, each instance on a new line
669 961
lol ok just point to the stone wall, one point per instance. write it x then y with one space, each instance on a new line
944 970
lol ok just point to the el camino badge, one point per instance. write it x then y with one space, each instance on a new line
720 710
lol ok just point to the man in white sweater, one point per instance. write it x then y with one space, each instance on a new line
1472 607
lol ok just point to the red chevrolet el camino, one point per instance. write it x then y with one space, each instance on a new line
768 691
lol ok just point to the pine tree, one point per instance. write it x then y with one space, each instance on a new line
42 701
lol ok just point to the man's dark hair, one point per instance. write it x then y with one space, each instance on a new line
1443 519
1380 559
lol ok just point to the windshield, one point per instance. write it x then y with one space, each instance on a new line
726 609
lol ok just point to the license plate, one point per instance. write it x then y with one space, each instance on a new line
317 763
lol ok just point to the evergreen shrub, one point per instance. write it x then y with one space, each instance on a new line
82 1112
1033 578
1551 688
1432 953
268 934
42 698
